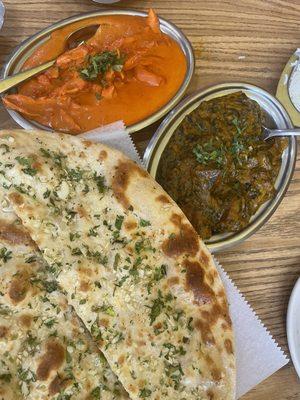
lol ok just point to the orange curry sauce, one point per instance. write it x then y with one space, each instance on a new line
150 69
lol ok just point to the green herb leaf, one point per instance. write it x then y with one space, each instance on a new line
207 153
46 194
96 393
95 331
5 147
50 322
76 252
156 308
99 180
97 284
27 162
5 254
50 286
160 272
98 64
74 236
144 223
30 259
174 372
116 261
6 377
26 375
144 393
119 222
75 174
93 232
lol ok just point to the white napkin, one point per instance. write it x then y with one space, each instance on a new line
257 354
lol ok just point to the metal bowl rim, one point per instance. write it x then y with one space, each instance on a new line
182 40
266 214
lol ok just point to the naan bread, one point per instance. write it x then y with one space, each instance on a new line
129 262
9 387
45 352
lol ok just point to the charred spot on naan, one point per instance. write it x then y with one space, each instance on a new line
121 359
14 234
87 143
25 321
185 241
52 359
176 220
103 155
37 165
195 282
162 198
205 259
82 212
211 275
216 374
103 322
205 331
58 384
85 272
210 318
132 388
174 280
16 198
228 346
130 225
3 331
19 286
84 286
124 172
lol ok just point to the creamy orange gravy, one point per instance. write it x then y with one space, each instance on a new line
153 71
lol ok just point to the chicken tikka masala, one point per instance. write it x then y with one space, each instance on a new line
127 71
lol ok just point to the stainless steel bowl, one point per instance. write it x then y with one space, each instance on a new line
25 49
276 117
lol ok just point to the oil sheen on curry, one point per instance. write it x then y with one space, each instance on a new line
217 166
126 71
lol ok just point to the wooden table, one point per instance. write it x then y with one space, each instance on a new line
234 40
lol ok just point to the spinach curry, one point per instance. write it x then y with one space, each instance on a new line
217 166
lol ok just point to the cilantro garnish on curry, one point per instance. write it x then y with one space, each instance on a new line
124 72
99 64
217 166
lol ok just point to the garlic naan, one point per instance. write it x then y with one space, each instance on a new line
129 262
45 352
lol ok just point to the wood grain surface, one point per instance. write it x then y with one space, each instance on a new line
234 40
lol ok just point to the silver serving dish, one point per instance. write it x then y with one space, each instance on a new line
276 117
25 49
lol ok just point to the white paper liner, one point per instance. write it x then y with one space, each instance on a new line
115 135
257 354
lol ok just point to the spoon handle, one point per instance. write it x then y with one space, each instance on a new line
282 132
14 80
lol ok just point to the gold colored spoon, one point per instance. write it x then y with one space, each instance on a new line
75 39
